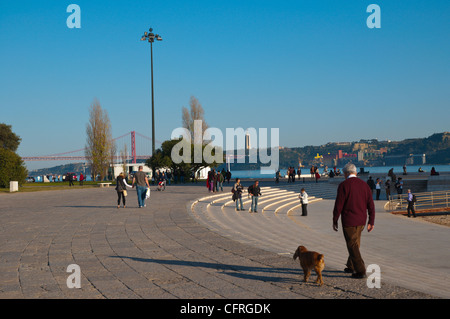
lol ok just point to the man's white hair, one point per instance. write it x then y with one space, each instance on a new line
349 168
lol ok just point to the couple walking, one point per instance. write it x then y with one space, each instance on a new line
253 190
140 180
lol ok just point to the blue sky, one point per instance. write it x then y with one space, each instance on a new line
313 69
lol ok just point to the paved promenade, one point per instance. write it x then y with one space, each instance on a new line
178 247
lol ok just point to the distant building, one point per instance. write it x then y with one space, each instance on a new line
360 156
340 158
360 146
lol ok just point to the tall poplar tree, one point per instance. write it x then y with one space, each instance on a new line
99 142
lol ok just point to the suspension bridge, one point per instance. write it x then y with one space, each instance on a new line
127 146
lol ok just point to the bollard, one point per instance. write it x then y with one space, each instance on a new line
13 187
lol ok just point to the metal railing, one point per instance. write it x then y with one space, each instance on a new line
428 200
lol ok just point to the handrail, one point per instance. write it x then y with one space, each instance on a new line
426 200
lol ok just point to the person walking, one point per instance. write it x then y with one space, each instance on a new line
304 201
387 186
399 187
378 188
121 188
210 181
228 176
354 202
81 179
216 181
255 192
411 201
317 174
70 176
237 189
141 181
371 184
220 179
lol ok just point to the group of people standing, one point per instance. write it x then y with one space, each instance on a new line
377 185
291 174
215 180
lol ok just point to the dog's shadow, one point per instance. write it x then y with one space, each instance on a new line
265 274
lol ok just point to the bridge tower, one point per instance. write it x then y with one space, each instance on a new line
133 146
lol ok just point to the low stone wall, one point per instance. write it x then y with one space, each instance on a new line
418 183
438 183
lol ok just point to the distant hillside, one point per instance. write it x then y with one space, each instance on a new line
436 147
60 170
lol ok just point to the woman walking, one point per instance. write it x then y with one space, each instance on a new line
121 188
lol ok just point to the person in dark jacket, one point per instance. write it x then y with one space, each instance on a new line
121 188
354 202
255 192
237 194
371 184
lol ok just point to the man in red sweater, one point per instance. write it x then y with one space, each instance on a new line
353 201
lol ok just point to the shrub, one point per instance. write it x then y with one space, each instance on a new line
12 168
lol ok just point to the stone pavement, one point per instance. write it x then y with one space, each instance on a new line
179 248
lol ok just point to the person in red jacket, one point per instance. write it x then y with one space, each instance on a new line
353 203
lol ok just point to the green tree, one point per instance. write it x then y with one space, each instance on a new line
163 159
12 168
8 139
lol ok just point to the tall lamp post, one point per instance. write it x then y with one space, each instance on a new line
151 37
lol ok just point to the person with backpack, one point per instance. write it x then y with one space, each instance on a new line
255 191
411 201
237 194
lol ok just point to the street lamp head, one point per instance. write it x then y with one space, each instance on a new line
150 36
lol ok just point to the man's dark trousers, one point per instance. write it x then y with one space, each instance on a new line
352 237
411 209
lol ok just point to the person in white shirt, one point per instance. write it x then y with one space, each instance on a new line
378 188
304 201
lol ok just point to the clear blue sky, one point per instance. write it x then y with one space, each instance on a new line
311 68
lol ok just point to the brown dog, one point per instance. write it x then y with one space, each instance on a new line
308 261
